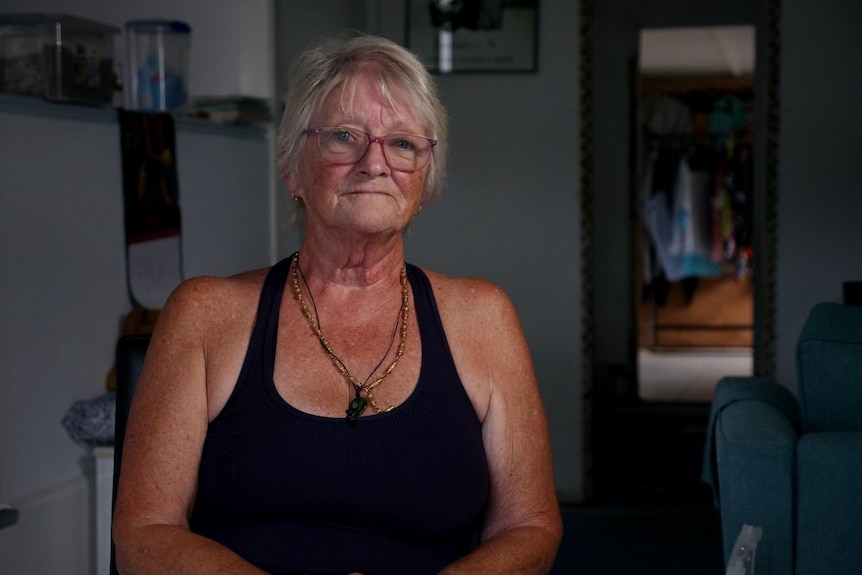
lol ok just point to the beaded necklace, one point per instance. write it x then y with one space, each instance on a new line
358 404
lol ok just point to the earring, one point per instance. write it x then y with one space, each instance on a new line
417 212
295 198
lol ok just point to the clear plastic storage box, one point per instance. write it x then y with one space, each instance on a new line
157 64
57 57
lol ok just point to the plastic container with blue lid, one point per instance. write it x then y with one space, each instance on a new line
157 56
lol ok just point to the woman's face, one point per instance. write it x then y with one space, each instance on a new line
366 197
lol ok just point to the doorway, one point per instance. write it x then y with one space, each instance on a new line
694 90
640 451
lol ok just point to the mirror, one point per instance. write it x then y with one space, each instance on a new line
693 260
608 45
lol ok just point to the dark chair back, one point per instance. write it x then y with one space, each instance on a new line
131 351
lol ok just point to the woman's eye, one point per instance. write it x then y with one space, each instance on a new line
342 136
403 143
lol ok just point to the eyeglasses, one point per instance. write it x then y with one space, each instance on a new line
402 152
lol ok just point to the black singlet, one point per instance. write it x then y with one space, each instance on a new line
295 493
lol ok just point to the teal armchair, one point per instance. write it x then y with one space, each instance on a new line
793 464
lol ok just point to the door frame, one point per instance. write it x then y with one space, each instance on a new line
597 379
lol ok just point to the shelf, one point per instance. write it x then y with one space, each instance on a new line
24 105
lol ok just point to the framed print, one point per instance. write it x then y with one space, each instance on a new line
474 35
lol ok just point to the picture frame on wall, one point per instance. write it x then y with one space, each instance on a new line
456 36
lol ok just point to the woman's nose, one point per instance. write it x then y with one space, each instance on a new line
373 162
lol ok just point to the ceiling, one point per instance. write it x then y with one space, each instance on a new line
713 51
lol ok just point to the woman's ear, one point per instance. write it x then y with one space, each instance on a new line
292 184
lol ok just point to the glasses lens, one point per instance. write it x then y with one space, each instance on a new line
403 152
406 151
341 144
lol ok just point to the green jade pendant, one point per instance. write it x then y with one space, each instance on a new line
355 408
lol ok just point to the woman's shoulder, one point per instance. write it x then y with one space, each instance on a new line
470 299
207 289
484 334
465 289
205 299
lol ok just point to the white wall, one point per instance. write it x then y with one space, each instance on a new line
63 290
819 172
61 296
62 260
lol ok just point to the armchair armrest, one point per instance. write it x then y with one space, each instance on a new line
754 433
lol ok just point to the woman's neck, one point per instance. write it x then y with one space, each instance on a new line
355 265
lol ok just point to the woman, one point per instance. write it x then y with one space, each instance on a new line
342 412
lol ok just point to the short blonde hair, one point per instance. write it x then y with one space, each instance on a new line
339 62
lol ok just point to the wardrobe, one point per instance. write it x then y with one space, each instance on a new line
694 214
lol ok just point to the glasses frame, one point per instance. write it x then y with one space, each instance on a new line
373 140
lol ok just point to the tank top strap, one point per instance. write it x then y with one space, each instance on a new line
270 302
260 355
433 337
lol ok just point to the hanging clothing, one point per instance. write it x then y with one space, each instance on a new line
678 216
692 240
726 119
665 116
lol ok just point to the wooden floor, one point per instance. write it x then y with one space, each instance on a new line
708 312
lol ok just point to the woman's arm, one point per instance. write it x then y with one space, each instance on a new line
163 443
522 528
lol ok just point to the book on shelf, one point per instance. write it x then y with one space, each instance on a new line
231 109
